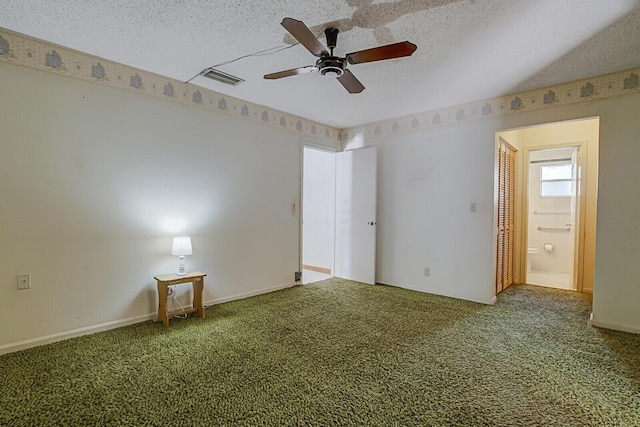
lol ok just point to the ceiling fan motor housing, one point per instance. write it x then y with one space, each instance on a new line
331 66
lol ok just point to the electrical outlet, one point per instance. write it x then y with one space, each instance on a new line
24 281
427 271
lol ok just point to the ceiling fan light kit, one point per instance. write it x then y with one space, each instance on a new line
329 65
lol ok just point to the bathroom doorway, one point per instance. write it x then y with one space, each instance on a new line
553 217
556 202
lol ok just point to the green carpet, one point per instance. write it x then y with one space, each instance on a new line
339 353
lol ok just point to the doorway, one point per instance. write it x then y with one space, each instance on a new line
339 222
555 202
552 217
318 214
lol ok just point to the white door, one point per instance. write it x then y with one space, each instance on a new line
356 191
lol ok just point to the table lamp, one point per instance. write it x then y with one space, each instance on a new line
180 248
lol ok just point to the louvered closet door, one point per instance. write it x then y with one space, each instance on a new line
506 216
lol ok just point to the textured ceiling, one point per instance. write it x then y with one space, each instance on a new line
467 49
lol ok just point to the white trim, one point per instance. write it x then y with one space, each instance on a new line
101 327
417 289
615 327
247 294
61 336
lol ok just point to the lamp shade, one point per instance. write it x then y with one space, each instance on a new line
181 246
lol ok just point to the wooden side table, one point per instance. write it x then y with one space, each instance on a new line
197 282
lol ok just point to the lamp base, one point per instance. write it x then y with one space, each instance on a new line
181 271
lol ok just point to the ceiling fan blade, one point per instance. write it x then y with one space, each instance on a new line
350 82
303 34
395 50
292 72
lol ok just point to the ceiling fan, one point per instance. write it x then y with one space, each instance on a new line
335 66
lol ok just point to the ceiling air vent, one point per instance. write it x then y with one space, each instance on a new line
217 75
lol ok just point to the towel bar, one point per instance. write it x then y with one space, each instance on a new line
566 228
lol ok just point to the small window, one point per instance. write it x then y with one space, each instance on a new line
555 180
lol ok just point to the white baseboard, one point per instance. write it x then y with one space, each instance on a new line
614 326
246 295
61 336
87 330
490 301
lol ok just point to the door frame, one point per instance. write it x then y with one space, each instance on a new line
589 193
310 145
578 273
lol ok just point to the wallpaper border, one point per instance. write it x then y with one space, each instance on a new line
576 92
28 52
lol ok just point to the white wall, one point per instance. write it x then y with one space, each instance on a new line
91 177
426 183
427 179
95 182
616 294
